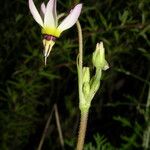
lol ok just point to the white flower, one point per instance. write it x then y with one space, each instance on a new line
48 21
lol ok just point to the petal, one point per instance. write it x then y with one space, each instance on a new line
71 19
50 18
35 13
43 8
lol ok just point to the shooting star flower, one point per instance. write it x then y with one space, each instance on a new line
48 20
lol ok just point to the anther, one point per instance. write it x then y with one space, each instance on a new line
49 37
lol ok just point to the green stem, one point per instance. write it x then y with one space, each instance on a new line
80 43
84 114
80 62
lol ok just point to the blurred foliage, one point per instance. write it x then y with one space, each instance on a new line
28 89
101 144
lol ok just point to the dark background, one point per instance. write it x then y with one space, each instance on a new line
28 89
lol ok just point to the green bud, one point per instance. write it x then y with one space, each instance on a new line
98 58
95 85
86 81
86 74
86 89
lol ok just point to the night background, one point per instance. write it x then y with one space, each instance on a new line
119 117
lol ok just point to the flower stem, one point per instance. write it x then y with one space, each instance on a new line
82 130
80 61
84 113
80 44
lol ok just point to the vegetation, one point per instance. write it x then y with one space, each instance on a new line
119 116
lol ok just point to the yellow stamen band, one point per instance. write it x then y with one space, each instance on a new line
51 31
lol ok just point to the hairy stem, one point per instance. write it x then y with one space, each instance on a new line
84 114
82 130
80 61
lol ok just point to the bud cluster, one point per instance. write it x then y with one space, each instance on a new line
91 85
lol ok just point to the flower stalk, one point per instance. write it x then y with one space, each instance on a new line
82 130
88 87
84 111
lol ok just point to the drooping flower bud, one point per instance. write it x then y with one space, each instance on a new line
98 58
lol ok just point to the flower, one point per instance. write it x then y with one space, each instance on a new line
99 57
48 21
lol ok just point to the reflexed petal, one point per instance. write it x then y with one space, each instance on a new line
71 19
43 8
35 13
49 20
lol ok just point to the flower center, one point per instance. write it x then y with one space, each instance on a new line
49 37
